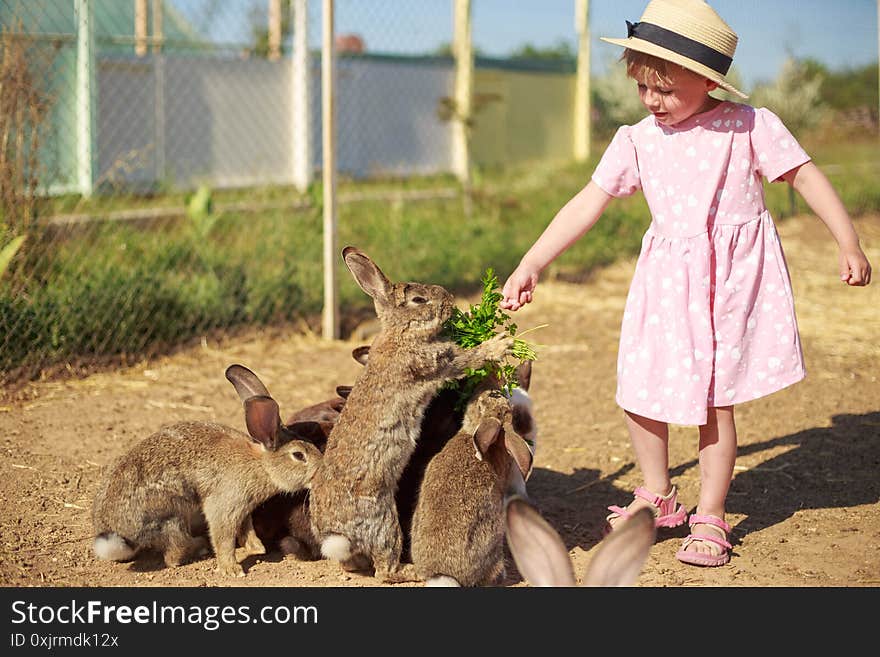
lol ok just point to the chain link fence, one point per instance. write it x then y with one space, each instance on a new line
159 158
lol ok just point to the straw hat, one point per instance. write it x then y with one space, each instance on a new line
688 33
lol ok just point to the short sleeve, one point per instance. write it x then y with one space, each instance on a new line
776 151
618 171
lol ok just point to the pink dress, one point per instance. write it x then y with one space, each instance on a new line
709 318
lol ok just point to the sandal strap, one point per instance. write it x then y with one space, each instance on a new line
666 508
618 511
690 538
697 519
652 498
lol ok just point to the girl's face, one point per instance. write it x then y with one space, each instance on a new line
685 94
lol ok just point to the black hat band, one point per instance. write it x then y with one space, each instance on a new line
681 45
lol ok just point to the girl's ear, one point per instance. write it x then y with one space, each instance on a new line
711 85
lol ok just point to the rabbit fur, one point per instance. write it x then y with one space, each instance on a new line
441 421
283 521
352 503
543 560
458 524
191 476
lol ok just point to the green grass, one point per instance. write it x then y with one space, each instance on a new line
111 288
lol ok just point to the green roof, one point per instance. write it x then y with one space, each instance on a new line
113 18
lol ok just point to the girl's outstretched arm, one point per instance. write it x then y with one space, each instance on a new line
574 219
817 191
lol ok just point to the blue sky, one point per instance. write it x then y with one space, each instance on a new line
840 33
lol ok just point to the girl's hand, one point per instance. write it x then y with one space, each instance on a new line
855 268
518 288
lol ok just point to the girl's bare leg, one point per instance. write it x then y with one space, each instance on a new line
717 458
650 442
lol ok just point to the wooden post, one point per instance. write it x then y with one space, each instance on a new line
157 26
878 68
301 87
464 65
582 103
328 101
85 96
274 30
140 27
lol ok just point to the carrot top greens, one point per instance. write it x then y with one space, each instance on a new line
480 323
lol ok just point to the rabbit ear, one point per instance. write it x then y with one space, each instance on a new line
621 555
486 434
519 450
537 548
522 420
247 384
361 354
366 273
342 391
524 374
263 420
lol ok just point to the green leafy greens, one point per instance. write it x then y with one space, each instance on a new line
480 323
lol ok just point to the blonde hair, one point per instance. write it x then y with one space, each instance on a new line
641 67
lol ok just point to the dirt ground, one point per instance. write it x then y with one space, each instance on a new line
803 503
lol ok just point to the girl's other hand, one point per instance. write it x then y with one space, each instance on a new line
518 288
854 268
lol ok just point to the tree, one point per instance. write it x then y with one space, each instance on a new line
795 96
260 30
562 51
445 50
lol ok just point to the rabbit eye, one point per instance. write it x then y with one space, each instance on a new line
419 300
298 456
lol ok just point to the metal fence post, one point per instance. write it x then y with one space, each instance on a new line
301 86
328 98
158 37
464 67
85 97
140 27
274 30
582 105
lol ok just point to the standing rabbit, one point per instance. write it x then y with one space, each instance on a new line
159 494
353 510
458 524
440 422
542 558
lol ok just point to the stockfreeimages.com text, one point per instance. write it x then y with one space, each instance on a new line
210 617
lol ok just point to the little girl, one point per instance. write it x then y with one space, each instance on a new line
709 320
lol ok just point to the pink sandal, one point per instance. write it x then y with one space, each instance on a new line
667 510
702 558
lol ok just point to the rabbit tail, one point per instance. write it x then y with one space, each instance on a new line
112 546
442 581
336 547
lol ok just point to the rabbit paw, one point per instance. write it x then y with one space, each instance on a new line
254 546
403 573
232 569
499 346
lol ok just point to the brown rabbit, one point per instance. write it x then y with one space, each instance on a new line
283 521
440 422
159 494
353 510
324 411
542 558
458 525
